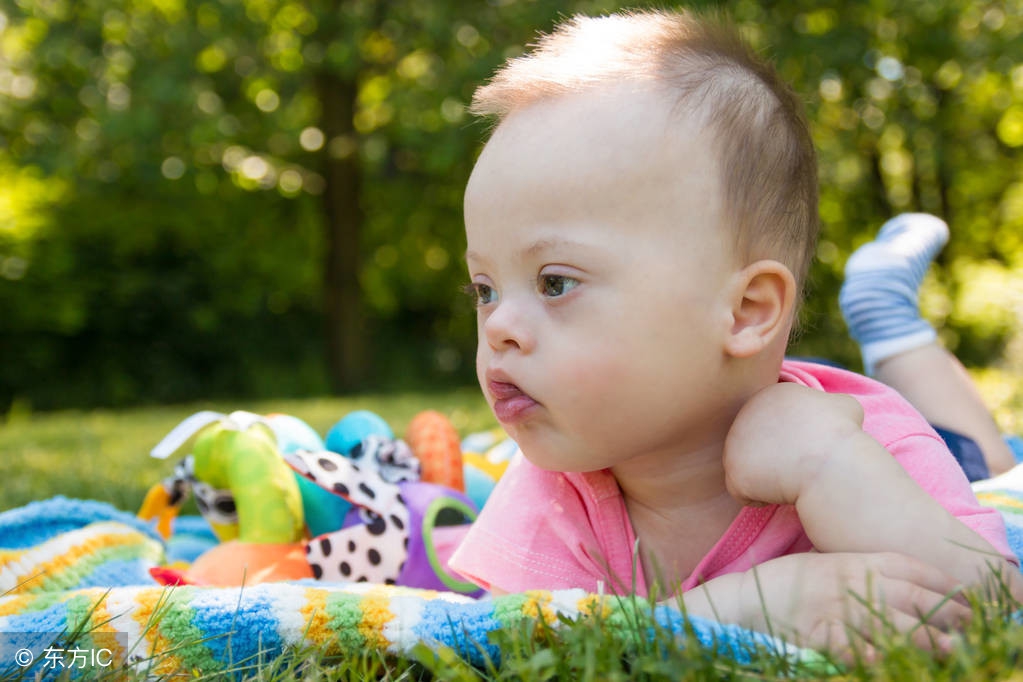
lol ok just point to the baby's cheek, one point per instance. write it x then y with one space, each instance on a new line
587 372
482 358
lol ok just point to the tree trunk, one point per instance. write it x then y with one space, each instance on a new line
342 295
878 191
943 172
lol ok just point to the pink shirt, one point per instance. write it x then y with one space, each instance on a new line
551 530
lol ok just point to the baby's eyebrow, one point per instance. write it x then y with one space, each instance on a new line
550 243
541 245
537 247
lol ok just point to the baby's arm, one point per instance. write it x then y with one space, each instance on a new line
795 445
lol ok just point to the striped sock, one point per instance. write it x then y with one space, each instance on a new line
882 278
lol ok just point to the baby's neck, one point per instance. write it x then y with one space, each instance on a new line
673 481
678 513
670 549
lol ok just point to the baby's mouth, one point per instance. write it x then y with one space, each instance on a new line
502 390
511 404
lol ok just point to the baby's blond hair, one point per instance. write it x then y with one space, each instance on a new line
769 173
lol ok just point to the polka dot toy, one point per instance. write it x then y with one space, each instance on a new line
389 535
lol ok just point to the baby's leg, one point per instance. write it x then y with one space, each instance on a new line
937 384
880 305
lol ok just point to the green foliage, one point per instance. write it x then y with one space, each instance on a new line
913 108
163 169
117 304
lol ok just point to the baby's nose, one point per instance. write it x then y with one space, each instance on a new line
507 328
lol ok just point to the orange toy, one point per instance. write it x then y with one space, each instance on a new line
241 563
435 443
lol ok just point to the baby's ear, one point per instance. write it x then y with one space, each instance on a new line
764 294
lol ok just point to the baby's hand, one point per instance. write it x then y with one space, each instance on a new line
838 601
781 439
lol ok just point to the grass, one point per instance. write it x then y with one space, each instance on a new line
103 455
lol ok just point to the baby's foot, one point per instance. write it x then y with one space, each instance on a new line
879 299
905 247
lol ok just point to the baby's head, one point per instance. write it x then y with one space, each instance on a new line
703 72
638 227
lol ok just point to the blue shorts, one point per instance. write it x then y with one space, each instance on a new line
969 456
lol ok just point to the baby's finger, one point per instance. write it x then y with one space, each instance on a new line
895 624
923 605
843 642
901 567
863 630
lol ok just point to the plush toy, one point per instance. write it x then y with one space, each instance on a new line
292 433
485 457
246 492
266 484
391 458
408 512
434 442
355 427
397 533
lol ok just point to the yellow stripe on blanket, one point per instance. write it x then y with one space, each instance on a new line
1001 501
151 606
594 605
538 604
314 613
13 604
376 614
61 562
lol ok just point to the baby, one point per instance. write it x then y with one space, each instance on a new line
639 229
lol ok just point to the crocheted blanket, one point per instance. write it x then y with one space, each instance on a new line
76 592
206 630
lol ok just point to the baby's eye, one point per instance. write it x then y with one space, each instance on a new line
556 285
481 294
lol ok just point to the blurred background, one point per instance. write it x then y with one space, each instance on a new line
251 199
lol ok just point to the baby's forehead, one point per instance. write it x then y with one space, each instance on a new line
634 101
624 155
631 118
613 137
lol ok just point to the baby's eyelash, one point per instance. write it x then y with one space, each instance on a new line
471 292
481 294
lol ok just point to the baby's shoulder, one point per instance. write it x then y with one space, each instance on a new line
886 414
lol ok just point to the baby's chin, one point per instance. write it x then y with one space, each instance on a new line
556 461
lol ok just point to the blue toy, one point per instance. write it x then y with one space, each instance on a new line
356 426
